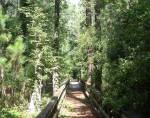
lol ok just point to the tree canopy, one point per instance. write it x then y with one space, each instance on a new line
102 42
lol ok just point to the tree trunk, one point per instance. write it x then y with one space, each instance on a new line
56 27
2 81
90 66
97 15
35 100
24 19
55 81
55 76
89 22
98 78
98 70
88 13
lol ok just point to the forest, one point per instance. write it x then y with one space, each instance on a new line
105 43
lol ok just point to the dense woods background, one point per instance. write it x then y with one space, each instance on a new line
103 42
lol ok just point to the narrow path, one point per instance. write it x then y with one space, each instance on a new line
76 104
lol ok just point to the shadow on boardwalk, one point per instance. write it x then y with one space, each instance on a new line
76 104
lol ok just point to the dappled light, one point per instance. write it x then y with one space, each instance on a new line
76 105
74 2
74 58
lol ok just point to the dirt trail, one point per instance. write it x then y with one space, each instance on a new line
75 104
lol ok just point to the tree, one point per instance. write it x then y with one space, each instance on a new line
97 59
56 46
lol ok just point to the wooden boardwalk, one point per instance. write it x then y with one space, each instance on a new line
76 104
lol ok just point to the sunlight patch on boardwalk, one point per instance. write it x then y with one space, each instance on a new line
75 105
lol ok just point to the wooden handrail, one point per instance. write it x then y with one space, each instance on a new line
53 106
64 82
94 98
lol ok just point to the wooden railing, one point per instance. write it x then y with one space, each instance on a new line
53 107
94 97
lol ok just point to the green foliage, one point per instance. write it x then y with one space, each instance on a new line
5 37
2 19
125 44
120 50
6 114
17 48
2 61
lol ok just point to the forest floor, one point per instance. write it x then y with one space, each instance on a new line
76 104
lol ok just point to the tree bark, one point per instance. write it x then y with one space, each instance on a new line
88 13
89 23
56 27
2 81
97 15
24 19
56 42
98 78
98 70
